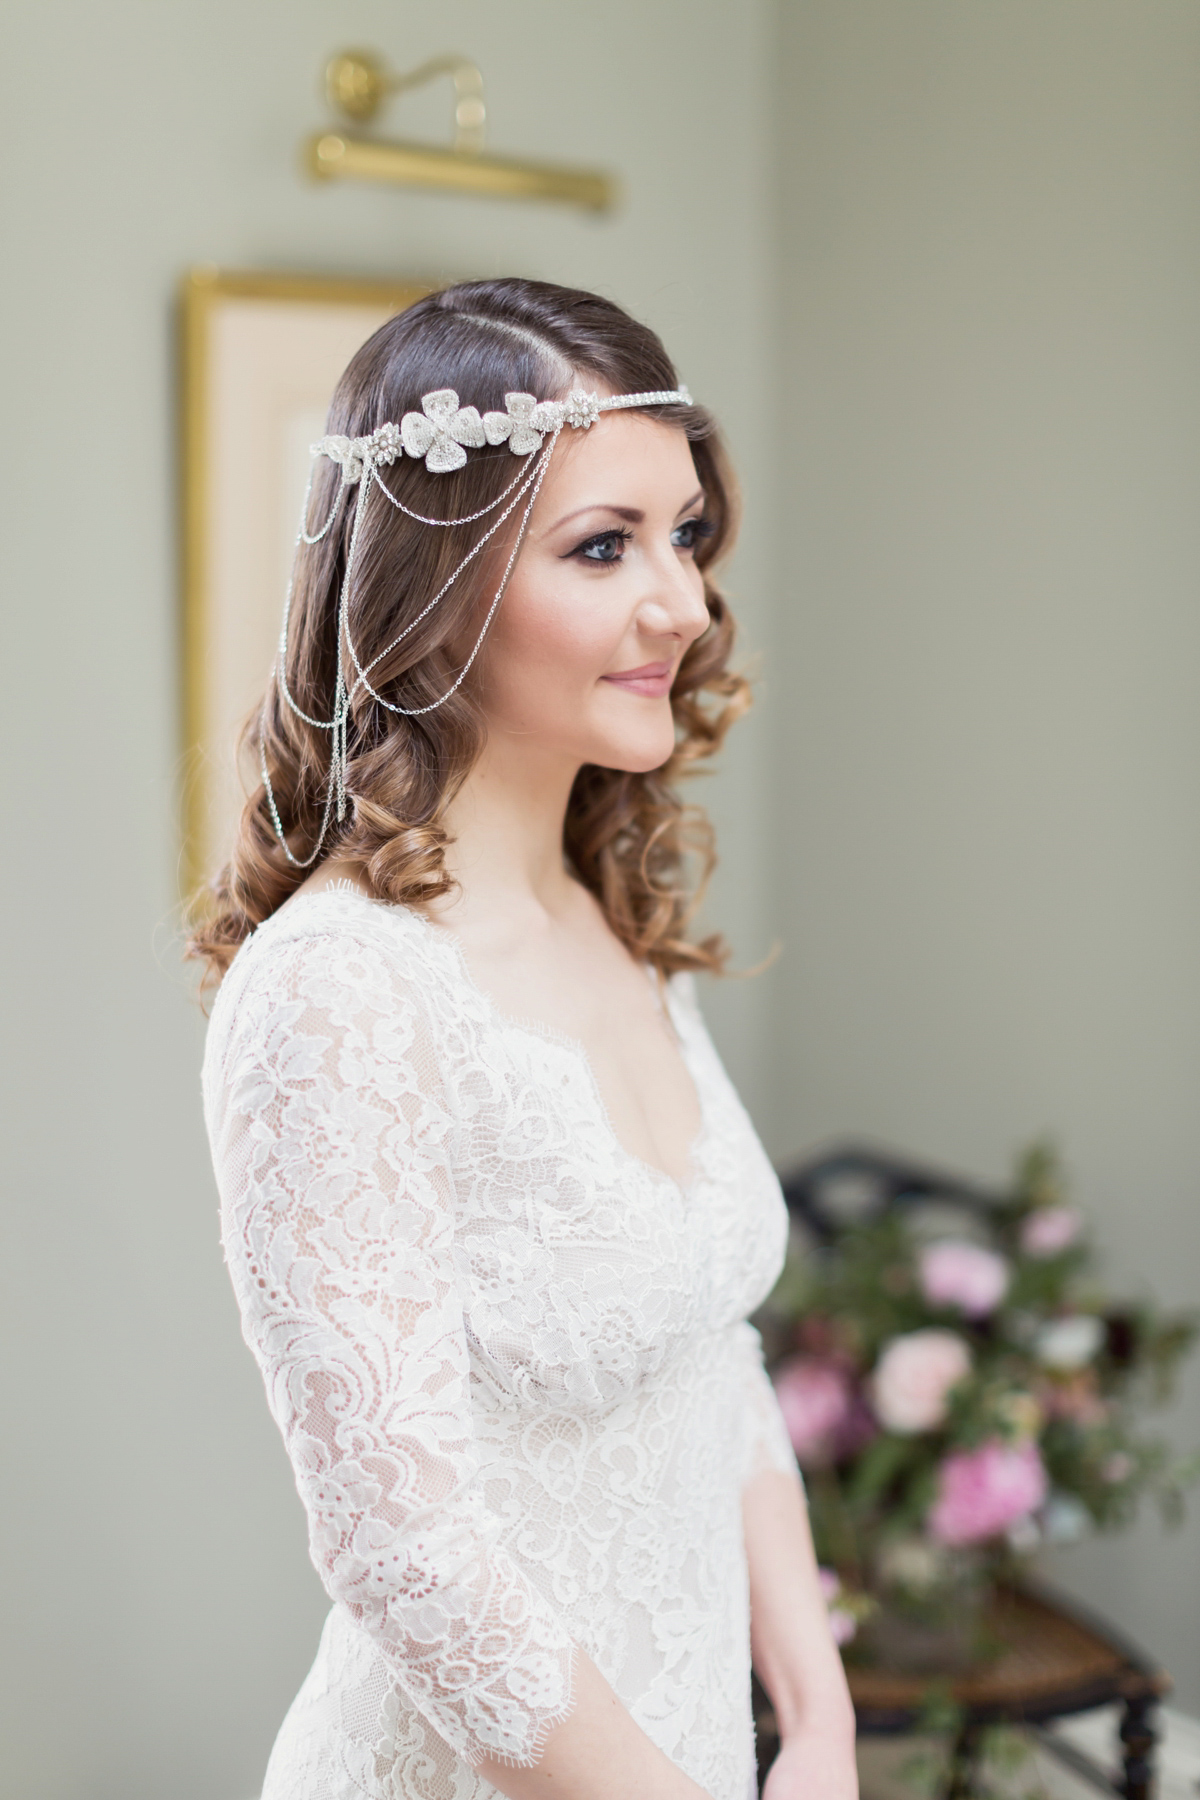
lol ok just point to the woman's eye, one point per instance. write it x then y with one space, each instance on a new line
607 547
689 534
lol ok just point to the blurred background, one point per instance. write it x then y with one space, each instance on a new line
936 266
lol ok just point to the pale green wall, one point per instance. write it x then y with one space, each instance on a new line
988 838
968 808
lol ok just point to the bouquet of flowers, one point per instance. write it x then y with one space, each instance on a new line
958 1399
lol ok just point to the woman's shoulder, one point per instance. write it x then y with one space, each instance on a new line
333 948
333 922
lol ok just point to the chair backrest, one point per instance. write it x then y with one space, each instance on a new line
848 1184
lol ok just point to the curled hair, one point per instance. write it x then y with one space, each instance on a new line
628 837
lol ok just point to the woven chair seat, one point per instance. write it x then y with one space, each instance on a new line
1051 1662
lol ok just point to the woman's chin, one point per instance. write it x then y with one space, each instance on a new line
637 756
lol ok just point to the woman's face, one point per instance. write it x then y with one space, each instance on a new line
604 599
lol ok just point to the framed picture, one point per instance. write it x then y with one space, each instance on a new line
261 357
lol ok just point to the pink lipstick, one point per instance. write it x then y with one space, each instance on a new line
652 679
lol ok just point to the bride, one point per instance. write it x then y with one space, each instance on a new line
493 1213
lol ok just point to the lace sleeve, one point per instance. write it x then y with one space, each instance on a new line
767 1445
331 1130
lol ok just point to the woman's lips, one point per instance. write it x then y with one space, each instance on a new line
652 679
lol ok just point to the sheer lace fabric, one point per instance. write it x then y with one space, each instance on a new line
508 1359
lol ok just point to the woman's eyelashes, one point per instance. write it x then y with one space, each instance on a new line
604 546
690 533
607 547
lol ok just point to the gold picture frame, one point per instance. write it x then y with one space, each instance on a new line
261 354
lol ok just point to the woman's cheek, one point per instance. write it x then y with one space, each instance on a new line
579 636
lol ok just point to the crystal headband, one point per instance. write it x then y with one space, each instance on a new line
443 431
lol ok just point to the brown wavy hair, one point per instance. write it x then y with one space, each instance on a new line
628 837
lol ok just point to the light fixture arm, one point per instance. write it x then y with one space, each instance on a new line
357 82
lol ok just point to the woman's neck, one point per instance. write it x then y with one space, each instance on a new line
506 854
507 825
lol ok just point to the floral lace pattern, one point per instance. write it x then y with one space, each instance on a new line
508 1359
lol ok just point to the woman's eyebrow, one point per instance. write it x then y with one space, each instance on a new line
632 515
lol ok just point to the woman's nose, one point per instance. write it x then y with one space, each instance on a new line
675 604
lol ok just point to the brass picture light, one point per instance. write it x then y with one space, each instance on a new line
357 82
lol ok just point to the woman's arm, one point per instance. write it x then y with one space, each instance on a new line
794 1653
599 1753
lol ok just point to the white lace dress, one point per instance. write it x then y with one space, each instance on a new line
508 1358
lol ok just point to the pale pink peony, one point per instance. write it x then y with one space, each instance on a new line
966 1276
1049 1230
816 1399
914 1376
982 1492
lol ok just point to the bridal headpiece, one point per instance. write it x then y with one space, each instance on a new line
440 435
443 431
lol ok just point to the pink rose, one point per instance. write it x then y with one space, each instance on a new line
816 1399
1049 1230
982 1492
963 1275
914 1376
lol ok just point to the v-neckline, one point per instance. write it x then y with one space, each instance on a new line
441 934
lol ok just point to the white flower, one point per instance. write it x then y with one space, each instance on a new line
1067 1344
523 424
912 1563
439 432
1065 1519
